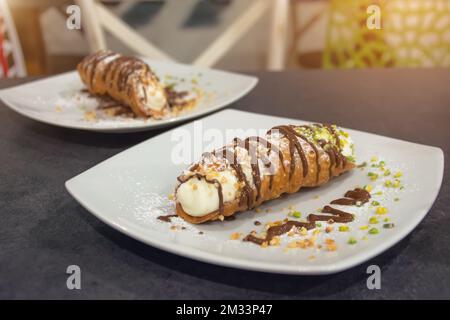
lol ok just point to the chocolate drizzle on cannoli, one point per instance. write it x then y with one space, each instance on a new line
294 144
93 62
266 160
316 152
339 158
127 69
106 71
247 191
252 150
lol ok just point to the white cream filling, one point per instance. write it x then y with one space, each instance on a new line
156 99
199 198
347 146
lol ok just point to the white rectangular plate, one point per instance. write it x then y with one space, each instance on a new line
130 190
57 100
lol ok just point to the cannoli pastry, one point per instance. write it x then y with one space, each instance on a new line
125 79
245 173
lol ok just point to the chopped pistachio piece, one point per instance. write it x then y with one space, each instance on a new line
372 176
381 210
296 214
373 220
373 231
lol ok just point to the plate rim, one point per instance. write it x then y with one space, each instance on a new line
253 81
263 266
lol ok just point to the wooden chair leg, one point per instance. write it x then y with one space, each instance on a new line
278 35
127 35
91 25
232 34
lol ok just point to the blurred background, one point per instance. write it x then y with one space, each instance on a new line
227 34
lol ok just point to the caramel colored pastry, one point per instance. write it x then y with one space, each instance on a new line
245 173
128 80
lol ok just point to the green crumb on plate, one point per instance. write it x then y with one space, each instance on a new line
297 214
362 165
373 220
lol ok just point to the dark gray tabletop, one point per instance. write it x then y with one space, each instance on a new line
43 230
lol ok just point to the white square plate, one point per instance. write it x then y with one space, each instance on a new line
57 100
130 190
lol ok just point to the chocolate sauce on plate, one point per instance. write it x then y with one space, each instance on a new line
331 214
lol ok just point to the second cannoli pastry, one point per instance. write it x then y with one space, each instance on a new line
245 173
128 80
